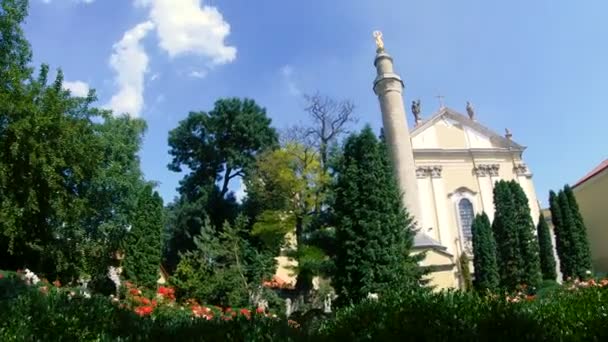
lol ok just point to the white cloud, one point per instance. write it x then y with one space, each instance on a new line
189 27
198 73
77 88
287 74
130 63
241 193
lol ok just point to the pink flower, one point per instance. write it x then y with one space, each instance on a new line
259 310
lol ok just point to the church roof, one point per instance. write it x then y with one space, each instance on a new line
603 166
446 112
421 240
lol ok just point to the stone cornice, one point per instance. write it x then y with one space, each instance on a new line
475 152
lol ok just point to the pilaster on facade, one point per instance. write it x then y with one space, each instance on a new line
483 170
433 171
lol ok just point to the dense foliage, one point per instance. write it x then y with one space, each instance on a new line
69 173
47 313
484 251
215 148
547 260
143 243
374 234
528 244
570 235
516 245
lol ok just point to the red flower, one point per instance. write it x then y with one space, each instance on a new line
293 323
128 284
57 283
44 289
145 301
154 302
246 313
144 310
228 310
134 292
166 292
530 298
259 310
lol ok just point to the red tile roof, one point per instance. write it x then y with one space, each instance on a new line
603 166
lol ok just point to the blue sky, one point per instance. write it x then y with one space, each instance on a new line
537 67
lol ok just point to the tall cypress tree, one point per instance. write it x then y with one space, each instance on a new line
547 260
373 230
484 254
570 233
581 242
562 241
143 243
528 244
506 233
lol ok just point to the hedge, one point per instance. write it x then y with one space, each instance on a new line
568 314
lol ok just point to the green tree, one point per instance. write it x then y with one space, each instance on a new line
484 255
580 242
67 170
506 233
547 260
562 239
287 183
528 244
143 243
215 271
216 147
374 232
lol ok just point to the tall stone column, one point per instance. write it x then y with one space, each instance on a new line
388 86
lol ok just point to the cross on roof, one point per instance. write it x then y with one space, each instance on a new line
440 98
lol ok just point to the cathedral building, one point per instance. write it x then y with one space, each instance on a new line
458 160
446 167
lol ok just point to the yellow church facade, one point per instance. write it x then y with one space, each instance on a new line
458 161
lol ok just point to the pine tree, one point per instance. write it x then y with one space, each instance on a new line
528 244
547 260
143 243
373 230
484 254
581 242
504 227
562 241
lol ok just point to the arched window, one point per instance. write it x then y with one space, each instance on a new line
466 213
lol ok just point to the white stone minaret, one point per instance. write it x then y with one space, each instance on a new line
389 88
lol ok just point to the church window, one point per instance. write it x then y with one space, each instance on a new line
465 210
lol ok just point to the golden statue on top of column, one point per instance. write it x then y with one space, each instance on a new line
379 41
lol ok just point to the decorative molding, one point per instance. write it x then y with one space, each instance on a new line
483 170
436 171
521 169
422 171
433 171
462 192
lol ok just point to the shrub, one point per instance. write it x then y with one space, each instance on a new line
577 311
